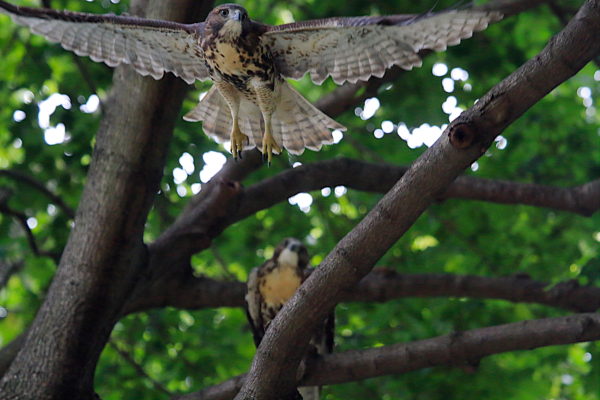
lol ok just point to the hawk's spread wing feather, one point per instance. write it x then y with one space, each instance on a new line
352 49
152 47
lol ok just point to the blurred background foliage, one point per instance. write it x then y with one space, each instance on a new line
49 114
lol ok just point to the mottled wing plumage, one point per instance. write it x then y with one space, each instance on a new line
352 49
152 47
249 60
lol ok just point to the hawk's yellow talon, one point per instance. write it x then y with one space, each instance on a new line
268 146
238 139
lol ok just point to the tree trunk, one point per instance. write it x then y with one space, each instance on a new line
105 253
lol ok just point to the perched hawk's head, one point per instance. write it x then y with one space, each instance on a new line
229 20
291 252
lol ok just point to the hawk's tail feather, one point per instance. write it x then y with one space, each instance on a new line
296 123
300 124
215 115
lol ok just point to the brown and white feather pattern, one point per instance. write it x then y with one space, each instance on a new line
297 124
353 49
345 48
269 288
152 47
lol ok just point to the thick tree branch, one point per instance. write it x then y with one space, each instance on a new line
384 284
207 215
359 175
511 7
381 285
105 254
187 291
10 351
272 375
456 349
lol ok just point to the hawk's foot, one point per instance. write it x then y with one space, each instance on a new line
268 146
238 139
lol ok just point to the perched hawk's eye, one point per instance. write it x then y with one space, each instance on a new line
224 12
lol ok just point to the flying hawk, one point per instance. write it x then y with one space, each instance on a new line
271 285
250 103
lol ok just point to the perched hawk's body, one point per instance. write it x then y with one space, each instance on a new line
271 285
251 104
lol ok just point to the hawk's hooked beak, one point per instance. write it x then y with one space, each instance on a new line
236 15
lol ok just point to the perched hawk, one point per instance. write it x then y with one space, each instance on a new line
271 285
250 103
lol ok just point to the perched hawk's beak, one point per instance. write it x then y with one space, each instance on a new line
236 15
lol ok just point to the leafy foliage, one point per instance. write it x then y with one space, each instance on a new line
555 143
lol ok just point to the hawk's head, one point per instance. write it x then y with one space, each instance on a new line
229 20
292 252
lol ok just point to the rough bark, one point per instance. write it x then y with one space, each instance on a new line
272 375
105 252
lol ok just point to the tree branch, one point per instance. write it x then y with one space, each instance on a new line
8 269
458 348
510 7
455 349
223 203
273 370
382 285
360 175
105 253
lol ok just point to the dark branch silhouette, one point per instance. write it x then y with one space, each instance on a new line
464 348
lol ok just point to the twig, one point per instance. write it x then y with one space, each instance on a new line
22 220
138 368
222 263
34 183
7 269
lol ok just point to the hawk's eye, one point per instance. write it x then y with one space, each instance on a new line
224 12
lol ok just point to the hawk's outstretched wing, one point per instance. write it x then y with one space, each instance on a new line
152 47
356 48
